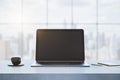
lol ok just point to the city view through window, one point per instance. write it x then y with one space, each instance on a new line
100 19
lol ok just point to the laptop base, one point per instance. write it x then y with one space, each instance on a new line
35 64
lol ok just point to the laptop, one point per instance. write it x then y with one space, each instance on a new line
60 47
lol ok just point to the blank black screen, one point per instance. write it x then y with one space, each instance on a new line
60 45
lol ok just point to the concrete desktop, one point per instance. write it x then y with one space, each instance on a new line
27 72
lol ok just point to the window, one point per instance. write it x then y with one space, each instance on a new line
100 19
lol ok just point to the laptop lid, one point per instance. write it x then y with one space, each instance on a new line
60 46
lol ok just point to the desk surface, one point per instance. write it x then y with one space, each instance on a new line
27 69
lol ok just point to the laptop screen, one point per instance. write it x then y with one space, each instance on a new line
60 45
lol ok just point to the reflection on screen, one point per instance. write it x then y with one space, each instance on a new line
60 45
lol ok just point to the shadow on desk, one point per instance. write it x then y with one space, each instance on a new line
59 77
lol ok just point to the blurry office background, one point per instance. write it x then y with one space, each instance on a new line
100 19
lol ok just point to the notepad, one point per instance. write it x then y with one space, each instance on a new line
109 63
